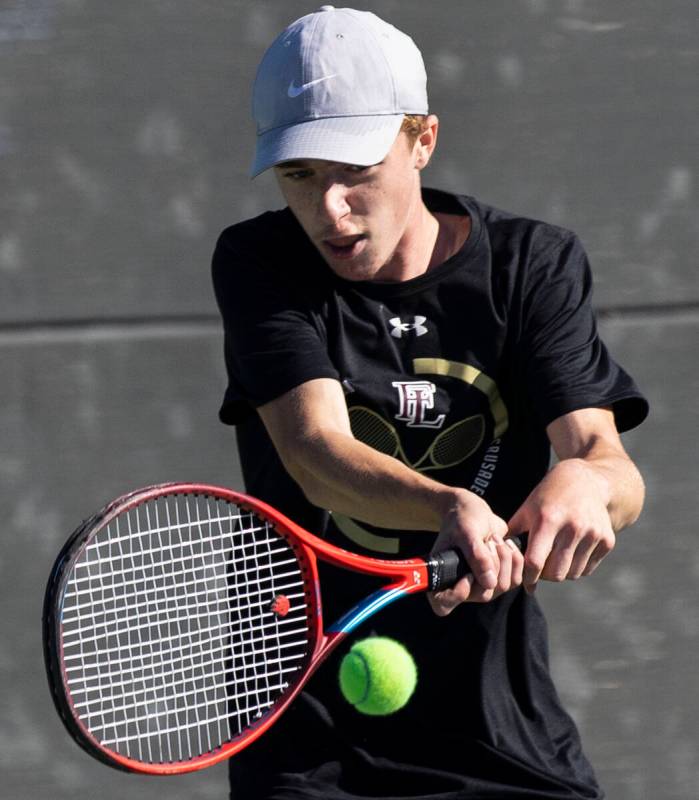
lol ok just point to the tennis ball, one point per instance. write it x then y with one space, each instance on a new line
378 676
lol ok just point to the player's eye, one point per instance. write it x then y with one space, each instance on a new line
297 174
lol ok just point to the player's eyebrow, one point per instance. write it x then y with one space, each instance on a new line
292 164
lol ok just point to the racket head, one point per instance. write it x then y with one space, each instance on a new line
124 697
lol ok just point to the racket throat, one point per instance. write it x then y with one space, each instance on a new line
367 608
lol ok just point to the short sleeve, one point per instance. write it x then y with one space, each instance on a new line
565 364
272 339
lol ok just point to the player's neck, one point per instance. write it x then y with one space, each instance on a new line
454 230
428 240
413 256
431 239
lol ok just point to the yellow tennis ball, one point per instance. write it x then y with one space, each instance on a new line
378 676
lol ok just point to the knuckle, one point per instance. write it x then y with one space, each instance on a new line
533 565
551 514
576 530
479 556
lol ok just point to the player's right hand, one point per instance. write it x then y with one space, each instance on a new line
497 564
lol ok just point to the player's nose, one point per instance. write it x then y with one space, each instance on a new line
334 201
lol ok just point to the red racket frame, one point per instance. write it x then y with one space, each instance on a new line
406 577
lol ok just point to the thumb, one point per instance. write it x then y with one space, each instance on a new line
518 522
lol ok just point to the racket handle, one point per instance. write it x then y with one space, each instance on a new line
447 567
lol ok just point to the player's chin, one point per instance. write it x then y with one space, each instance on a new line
353 271
363 266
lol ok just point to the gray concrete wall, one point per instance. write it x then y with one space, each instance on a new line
124 145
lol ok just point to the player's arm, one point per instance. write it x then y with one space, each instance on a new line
592 493
311 432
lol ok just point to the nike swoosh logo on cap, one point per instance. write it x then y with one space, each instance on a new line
295 91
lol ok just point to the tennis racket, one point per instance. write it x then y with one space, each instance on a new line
181 620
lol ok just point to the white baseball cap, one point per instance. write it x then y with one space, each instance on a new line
335 85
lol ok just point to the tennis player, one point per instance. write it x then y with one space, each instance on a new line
400 362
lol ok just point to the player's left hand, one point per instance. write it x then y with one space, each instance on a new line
569 526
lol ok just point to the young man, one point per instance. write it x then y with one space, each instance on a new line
400 361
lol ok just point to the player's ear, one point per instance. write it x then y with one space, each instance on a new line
426 141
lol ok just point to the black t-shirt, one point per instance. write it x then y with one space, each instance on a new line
456 373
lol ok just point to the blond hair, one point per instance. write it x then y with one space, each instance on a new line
414 125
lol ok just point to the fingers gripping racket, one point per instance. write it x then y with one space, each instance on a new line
182 619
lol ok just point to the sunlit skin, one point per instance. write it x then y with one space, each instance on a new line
370 223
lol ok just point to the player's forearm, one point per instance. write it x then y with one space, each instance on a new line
344 475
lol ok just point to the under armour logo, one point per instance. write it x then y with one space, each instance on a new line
400 327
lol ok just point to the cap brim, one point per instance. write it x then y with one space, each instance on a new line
349 140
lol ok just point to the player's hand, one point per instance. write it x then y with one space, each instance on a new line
570 530
496 562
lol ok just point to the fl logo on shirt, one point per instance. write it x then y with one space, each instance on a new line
415 401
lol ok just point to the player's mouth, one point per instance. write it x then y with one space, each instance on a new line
344 247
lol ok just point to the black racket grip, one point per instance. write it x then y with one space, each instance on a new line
445 568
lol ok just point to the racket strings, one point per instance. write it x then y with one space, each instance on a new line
170 604
170 642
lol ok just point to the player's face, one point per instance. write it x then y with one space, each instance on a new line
363 220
